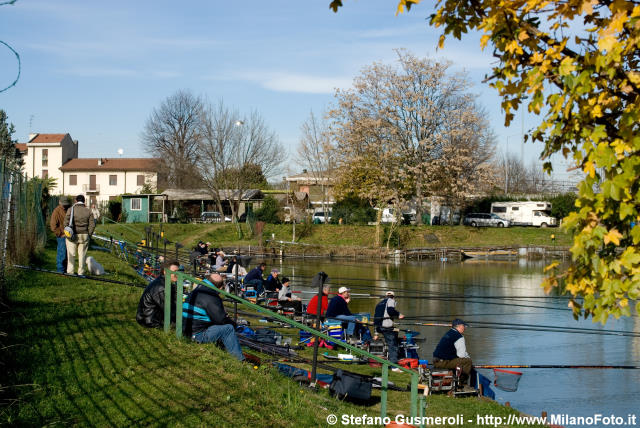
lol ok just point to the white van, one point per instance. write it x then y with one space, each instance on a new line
528 213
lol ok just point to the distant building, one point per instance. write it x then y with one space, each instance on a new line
314 185
99 179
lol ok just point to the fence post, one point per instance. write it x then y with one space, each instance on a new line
167 303
414 395
179 289
383 390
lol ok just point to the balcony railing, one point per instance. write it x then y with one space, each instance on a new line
91 188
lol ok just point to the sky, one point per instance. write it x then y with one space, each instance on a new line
97 69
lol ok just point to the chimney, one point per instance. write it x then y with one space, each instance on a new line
304 171
32 136
100 162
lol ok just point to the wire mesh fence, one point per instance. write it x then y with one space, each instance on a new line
22 219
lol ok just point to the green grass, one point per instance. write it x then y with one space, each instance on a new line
349 236
74 355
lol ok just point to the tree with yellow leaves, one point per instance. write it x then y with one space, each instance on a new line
575 64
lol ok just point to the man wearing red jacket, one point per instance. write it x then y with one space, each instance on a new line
312 307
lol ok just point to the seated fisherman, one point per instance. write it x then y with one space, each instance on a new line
273 283
287 300
451 351
254 278
338 309
206 321
151 306
320 278
221 264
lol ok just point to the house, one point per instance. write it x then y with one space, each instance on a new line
144 208
317 185
99 179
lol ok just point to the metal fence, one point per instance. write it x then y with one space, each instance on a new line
22 219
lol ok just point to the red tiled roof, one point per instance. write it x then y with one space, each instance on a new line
22 147
117 164
47 138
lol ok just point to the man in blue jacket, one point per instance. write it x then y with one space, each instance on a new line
338 309
451 351
206 321
254 278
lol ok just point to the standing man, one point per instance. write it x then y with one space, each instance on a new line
83 225
57 227
151 306
96 213
206 321
384 315
338 309
451 351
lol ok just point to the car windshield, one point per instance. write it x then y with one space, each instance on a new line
495 216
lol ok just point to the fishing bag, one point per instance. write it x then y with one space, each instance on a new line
265 335
69 231
350 386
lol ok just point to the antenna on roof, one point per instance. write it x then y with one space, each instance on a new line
120 152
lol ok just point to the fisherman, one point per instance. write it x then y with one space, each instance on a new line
254 278
319 279
220 265
151 306
57 227
287 300
205 319
339 309
273 283
451 351
385 314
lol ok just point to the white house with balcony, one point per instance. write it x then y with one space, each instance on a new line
99 179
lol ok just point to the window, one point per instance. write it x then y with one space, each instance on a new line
113 180
73 180
499 209
136 204
45 157
45 173
515 208
140 180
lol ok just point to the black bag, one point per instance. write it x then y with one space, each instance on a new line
350 386
264 335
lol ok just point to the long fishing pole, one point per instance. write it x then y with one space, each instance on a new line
533 327
550 366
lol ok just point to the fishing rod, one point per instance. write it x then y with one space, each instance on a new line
534 327
550 366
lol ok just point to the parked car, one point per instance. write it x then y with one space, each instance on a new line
485 219
211 217
321 217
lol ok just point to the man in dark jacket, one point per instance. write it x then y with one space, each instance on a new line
383 318
206 321
273 282
338 309
83 225
57 227
451 351
151 306
254 278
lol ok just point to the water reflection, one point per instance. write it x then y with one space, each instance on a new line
505 292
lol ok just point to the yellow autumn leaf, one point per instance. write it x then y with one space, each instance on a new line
484 40
589 169
523 35
613 236
607 43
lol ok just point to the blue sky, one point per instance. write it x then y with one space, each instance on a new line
97 69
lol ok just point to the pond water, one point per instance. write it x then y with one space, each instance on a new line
500 292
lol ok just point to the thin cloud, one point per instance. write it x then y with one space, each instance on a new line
288 82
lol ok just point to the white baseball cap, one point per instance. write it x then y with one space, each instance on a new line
390 293
342 290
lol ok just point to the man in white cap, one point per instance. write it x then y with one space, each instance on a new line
384 315
339 309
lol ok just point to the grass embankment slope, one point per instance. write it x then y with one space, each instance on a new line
330 235
74 355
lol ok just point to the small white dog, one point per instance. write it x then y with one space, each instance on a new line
94 267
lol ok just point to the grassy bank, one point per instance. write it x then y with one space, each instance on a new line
348 236
74 355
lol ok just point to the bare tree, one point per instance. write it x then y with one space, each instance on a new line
173 134
315 153
236 151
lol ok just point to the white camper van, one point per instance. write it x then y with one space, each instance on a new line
529 213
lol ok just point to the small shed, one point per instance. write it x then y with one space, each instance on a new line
145 208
